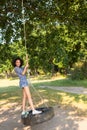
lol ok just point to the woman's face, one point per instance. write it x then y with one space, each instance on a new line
18 63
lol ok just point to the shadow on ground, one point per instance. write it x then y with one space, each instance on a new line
63 120
10 119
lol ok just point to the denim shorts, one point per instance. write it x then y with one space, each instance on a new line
23 83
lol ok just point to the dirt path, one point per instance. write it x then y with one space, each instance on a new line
76 90
64 119
10 119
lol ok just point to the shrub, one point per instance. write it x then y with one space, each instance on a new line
80 71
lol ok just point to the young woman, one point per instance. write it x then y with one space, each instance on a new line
21 72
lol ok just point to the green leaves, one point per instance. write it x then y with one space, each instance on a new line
56 31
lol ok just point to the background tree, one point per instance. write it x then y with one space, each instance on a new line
55 32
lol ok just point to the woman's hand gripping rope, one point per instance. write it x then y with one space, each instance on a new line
27 65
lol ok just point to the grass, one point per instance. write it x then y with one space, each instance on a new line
64 82
12 94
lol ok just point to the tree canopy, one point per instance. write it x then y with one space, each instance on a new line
56 33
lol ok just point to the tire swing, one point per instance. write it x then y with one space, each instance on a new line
47 112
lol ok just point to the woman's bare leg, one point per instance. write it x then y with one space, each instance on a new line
24 100
28 94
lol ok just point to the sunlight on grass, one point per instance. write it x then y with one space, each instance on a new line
41 91
69 99
13 98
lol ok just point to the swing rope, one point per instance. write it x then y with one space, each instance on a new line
24 26
25 41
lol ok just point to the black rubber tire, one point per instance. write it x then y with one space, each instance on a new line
47 114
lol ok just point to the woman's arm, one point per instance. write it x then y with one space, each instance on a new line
25 69
27 65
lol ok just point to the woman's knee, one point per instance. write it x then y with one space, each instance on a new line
27 91
24 94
